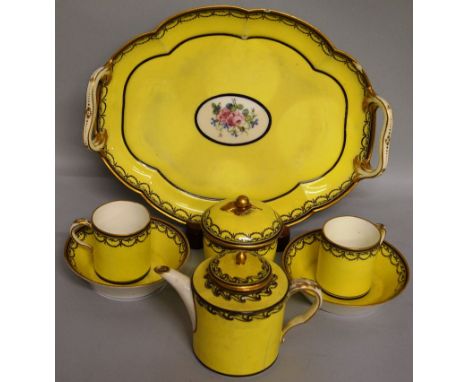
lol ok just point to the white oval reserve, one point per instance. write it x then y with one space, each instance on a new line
232 119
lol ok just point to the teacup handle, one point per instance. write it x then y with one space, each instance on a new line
303 285
382 230
79 223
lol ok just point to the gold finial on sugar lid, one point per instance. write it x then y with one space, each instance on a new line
242 202
240 206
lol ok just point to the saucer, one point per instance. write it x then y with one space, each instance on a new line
169 247
390 277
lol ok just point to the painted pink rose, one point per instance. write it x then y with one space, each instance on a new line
235 119
230 120
238 118
223 115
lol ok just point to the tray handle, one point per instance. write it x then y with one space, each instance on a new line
362 167
94 139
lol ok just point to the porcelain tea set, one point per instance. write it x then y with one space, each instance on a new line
241 161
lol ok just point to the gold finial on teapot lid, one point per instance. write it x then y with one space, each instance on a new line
241 258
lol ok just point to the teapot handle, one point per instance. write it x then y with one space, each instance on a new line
303 285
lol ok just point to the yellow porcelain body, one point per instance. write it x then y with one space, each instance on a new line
121 247
236 303
266 94
344 274
389 277
241 224
347 256
238 338
123 259
167 245
235 347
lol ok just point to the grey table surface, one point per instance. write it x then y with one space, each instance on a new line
102 340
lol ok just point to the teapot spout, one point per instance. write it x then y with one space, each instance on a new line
181 283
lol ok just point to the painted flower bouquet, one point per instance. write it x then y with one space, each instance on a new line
233 118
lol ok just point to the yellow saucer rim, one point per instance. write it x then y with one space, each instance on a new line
138 284
342 302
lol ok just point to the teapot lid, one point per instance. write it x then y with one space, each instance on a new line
240 271
242 221
240 281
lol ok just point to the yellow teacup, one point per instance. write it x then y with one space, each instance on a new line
121 246
346 256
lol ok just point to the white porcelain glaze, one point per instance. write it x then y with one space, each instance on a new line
128 294
121 217
182 284
352 232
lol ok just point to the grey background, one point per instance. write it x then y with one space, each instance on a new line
101 340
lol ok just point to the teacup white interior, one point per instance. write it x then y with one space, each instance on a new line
351 232
121 217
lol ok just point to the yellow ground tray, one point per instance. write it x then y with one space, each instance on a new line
169 247
220 101
390 277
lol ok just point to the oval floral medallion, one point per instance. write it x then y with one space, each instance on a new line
232 119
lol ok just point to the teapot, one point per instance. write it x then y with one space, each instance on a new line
236 302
